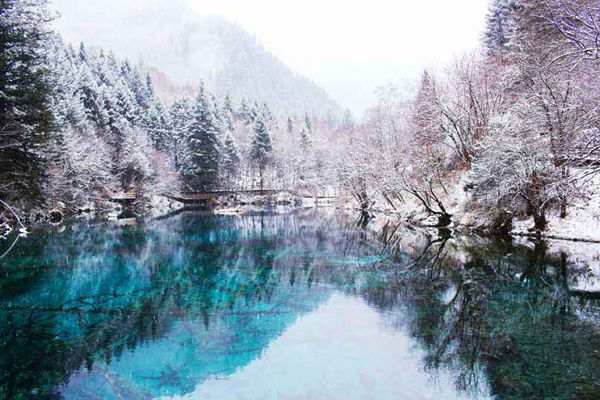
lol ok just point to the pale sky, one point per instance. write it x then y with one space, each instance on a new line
348 47
351 47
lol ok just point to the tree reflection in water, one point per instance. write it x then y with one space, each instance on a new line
496 312
77 306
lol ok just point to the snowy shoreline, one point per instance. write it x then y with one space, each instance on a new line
558 231
581 224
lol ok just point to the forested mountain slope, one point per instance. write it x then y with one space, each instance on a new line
187 48
79 124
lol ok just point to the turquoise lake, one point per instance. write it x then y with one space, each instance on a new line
303 305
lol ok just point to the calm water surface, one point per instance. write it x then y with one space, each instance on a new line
308 305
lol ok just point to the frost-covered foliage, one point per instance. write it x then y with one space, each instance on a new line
24 99
78 124
201 145
255 147
79 169
509 123
515 172
111 127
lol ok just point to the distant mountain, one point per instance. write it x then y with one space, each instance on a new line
172 38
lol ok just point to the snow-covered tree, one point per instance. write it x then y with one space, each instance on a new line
92 95
256 111
261 147
245 113
308 123
500 24
25 120
228 114
200 164
135 158
230 160
79 169
515 171
158 125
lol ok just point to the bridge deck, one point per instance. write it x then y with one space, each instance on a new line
203 196
212 195
127 196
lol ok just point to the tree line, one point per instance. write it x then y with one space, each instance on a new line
514 125
508 131
78 123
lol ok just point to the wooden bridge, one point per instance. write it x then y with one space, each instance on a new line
199 197
125 198
205 197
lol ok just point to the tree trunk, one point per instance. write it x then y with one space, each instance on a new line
563 208
444 219
364 203
539 219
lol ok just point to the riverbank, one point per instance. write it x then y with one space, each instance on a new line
582 256
581 224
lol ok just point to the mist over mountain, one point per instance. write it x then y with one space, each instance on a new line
184 48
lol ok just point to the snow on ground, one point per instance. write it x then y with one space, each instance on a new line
582 226
454 198
582 221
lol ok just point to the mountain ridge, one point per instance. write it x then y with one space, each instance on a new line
188 48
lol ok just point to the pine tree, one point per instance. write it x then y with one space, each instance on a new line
66 100
103 71
230 159
109 106
228 121
125 102
228 104
82 53
25 116
149 87
217 114
180 116
201 158
139 89
92 97
499 25
308 123
426 116
305 133
304 139
245 112
261 146
256 112
158 125
268 115
228 114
